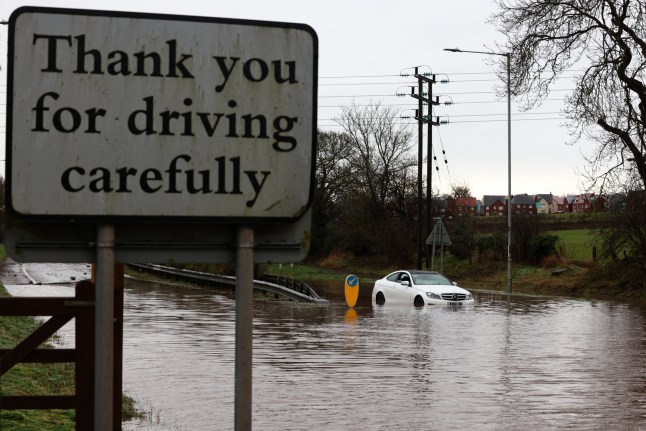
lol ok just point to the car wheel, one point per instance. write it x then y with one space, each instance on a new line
419 301
380 298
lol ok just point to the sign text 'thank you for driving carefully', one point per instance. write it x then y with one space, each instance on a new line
137 115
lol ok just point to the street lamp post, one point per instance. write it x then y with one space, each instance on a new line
508 56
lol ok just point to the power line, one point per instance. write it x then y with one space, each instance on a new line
358 76
334 125
446 162
468 115
401 94
412 105
411 83
440 73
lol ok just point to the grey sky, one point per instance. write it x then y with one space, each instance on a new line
364 45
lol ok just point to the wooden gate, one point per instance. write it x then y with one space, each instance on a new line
62 310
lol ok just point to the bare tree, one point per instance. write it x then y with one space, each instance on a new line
332 167
607 39
380 149
460 190
375 211
332 182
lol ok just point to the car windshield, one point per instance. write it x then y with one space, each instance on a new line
430 278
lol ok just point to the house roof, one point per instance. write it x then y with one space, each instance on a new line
549 198
489 200
465 202
523 199
583 198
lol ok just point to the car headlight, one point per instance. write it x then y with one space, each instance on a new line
469 296
433 295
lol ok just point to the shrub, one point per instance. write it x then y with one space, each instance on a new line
542 246
493 246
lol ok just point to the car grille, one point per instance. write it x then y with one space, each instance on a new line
454 296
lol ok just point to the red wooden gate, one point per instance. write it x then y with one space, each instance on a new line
62 310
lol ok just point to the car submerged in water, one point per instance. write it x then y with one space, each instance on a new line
419 288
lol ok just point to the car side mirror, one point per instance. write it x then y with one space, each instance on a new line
405 283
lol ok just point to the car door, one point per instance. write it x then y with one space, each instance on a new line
397 292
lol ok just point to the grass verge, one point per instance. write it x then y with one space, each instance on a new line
555 276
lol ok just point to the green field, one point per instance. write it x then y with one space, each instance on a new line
575 244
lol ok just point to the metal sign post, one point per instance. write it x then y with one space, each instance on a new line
438 236
104 329
244 328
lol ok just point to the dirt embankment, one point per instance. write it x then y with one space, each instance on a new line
572 279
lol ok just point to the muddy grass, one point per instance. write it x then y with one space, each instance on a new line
553 277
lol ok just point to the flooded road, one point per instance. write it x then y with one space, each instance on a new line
533 363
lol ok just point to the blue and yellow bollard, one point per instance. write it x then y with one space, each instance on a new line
351 296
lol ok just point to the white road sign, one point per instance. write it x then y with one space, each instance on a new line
439 236
124 115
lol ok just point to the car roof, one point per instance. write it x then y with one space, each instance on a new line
420 271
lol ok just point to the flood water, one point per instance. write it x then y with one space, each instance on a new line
527 363
522 363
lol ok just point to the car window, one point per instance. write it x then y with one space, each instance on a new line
394 277
398 277
428 278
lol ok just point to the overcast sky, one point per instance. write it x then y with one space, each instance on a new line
365 46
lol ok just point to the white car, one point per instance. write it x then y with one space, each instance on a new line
419 288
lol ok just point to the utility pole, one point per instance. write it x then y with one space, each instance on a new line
420 138
421 119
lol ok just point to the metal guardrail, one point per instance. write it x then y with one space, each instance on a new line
283 286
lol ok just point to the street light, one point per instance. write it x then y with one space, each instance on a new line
508 56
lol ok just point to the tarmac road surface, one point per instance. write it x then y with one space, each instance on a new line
14 273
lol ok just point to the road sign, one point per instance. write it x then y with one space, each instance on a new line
439 236
116 115
351 290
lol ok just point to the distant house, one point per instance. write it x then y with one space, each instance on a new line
524 204
555 204
462 206
570 202
581 203
560 204
544 204
597 203
588 202
494 205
